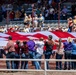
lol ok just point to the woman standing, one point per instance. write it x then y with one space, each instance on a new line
59 53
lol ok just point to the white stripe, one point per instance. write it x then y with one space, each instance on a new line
34 38
47 33
3 43
4 35
23 33
73 33
2 39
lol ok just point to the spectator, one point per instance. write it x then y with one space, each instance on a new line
59 54
17 53
32 51
64 12
24 55
68 50
39 49
74 54
49 2
11 53
55 14
25 19
11 15
17 15
22 13
70 24
29 20
48 52
26 29
38 11
51 11
74 20
35 21
41 21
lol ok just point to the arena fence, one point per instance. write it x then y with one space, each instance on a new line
45 70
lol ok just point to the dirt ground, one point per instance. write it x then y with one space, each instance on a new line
38 73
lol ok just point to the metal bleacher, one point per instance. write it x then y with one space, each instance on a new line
52 23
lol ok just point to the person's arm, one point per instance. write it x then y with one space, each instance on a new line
56 43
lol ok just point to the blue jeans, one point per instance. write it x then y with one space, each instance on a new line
24 64
39 56
67 65
12 56
59 63
32 55
47 56
73 62
17 56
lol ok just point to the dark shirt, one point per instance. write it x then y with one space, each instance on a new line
17 49
24 49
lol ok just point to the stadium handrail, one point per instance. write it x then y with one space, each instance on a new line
45 68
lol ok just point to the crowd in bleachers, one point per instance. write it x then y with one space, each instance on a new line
37 24
48 8
34 21
70 27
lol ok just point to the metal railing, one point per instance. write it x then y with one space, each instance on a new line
45 67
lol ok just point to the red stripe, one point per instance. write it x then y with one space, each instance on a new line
17 36
38 35
63 34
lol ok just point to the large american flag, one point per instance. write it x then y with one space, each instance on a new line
36 35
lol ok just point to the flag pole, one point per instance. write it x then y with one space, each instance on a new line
59 14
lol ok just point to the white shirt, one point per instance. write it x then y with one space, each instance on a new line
40 45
